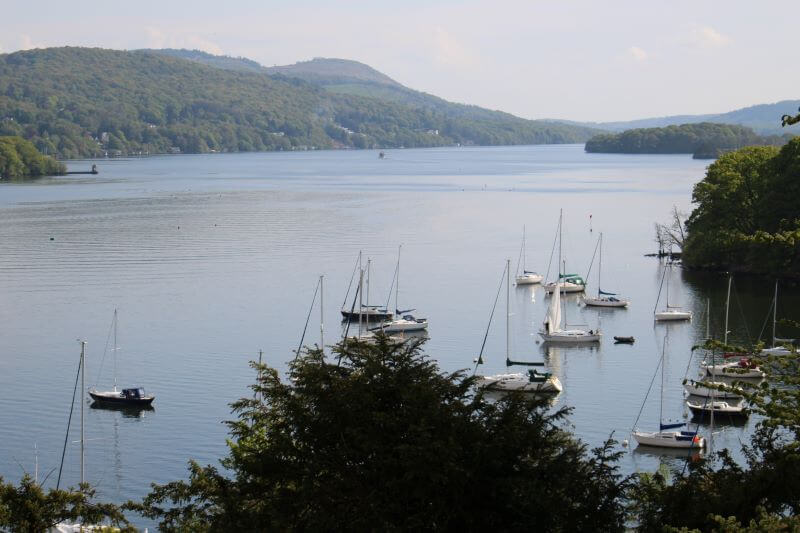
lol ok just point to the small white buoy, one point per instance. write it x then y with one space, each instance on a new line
625 443
475 360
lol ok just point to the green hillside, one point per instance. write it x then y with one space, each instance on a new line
704 140
78 102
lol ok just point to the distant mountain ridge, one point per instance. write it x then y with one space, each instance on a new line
764 119
348 77
88 102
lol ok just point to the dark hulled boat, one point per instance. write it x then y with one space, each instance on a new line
125 397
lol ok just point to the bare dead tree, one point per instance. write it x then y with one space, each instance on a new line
673 232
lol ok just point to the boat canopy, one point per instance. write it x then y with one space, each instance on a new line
672 426
572 278
607 293
137 392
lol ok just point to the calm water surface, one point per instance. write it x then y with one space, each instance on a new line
211 258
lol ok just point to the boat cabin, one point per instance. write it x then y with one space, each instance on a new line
133 394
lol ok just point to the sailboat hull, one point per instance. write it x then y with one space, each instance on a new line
116 398
576 336
670 439
565 287
367 314
529 279
719 408
733 370
605 302
665 316
697 389
520 382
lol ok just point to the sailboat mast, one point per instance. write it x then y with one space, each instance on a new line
508 308
774 312
321 317
600 265
708 318
727 307
83 388
115 350
360 301
369 269
397 286
661 400
523 249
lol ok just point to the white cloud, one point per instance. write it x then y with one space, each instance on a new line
449 51
26 43
708 37
157 38
637 53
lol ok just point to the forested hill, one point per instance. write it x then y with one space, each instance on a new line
77 102
704 140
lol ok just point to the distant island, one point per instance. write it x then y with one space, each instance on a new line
20 159
90 102
703 140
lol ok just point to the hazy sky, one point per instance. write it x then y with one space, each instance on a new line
579 59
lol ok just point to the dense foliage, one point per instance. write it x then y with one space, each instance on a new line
27 507
384 441
703 139
20 159
747 216
77 102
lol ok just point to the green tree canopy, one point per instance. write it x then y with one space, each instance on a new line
385 441
747 216
20 159
27 507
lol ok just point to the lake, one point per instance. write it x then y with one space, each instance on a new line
211 258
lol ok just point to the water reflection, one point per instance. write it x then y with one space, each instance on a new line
127 411
692 454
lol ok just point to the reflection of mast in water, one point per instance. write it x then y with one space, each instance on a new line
117 457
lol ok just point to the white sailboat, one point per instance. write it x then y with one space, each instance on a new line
604 299
718 408
532 381
527 277
407 321
706 389
569 283
671 312
778 345
553 329
666 436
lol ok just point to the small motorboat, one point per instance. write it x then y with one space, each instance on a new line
624 340
130 397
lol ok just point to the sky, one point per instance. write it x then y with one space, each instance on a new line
585 60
